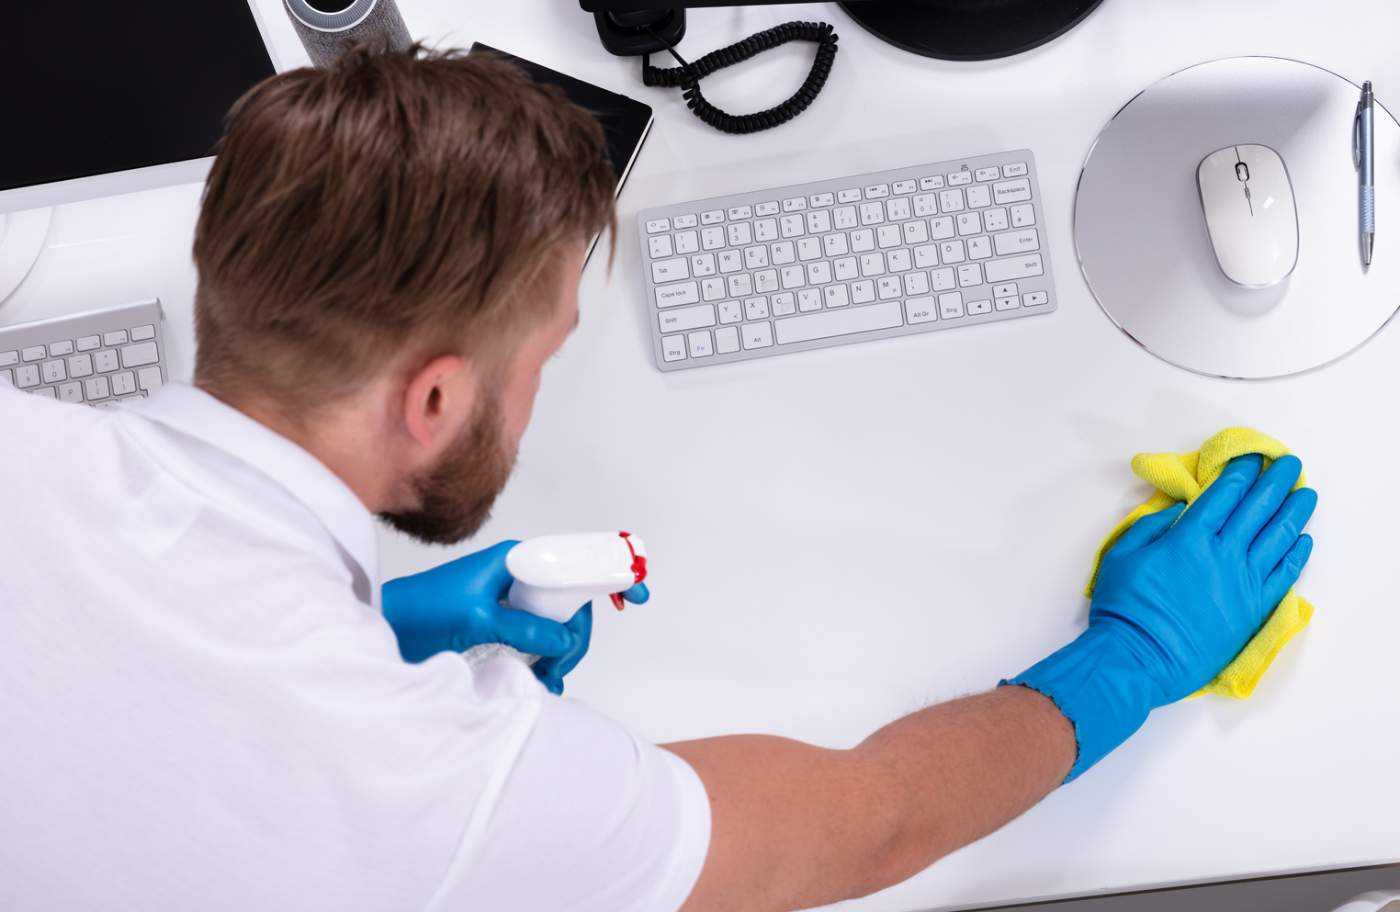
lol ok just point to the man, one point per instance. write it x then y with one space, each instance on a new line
205 706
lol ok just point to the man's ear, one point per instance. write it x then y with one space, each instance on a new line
438 400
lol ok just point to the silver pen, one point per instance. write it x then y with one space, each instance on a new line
1363 153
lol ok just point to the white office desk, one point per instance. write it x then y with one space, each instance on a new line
842 536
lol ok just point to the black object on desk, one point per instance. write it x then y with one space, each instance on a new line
947 29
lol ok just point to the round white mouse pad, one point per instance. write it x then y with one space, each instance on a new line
1142 240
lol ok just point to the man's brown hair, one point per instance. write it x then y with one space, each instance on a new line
406 199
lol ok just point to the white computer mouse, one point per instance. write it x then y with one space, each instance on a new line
1250 214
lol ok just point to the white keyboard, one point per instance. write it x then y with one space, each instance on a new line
102 357
870 256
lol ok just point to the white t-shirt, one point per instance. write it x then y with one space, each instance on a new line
202 707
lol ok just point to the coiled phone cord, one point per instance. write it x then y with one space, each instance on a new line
688 75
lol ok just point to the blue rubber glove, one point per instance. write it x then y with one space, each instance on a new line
1177 597
461 604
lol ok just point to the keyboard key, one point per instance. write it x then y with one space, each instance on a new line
979 248
959 178
97 388
904 186
123 383
793 276
969 223
925 204
739 285
1014 242
819 221
942 279
53 372
784 303
1022 216
700 346
872 264
765 281
850 195
915 232
765 230
1008 303
932 182
809 248
887 236
783 252
47 392
769 207
687 242
666 296
795 204
925 256
808 300
818 273
740 212
740 233
712 217
836 295
898 260
149 379
57 349
661 271
862 292
755 257
995 219
1015 169
1015 268
727 340
888 287
1035 299
702 264
915 284
88 343
678 222
897 209
950 306
977 308
940 228
862 239
952 251
70 392
756 308
26 376
679 320
844 218
791 226
9 358
730 312
877 191
920 310
117 337
760 335
822 199
1005 291
1013 191
712 289
987 174
34 353
659 246
673 348
805 328
834 245
711 238
872 213
730 261
951 200
653 226
845 268
969 275
978 197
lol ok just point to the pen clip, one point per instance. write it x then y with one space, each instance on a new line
1356 138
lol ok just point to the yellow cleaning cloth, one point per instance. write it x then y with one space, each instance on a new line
1183 476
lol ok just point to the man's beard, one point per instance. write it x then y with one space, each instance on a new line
455 495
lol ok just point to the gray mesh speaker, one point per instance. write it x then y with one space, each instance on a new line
328 27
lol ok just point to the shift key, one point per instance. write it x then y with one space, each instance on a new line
1013 268
684 319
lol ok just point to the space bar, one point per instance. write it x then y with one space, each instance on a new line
839 322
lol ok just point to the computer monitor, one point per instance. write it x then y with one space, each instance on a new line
103 98
947 29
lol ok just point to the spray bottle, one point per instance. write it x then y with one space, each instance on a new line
555 575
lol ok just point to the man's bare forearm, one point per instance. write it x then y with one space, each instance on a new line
796 826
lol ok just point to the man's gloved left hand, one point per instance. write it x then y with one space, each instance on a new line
461 604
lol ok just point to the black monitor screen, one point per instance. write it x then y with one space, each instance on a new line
92 86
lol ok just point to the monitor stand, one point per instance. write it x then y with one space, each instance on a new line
22 236
969 29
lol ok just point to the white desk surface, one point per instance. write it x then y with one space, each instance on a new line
843 536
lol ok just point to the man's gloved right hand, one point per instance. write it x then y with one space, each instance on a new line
1177 597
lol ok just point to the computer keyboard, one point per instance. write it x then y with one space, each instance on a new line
869 256
102 357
